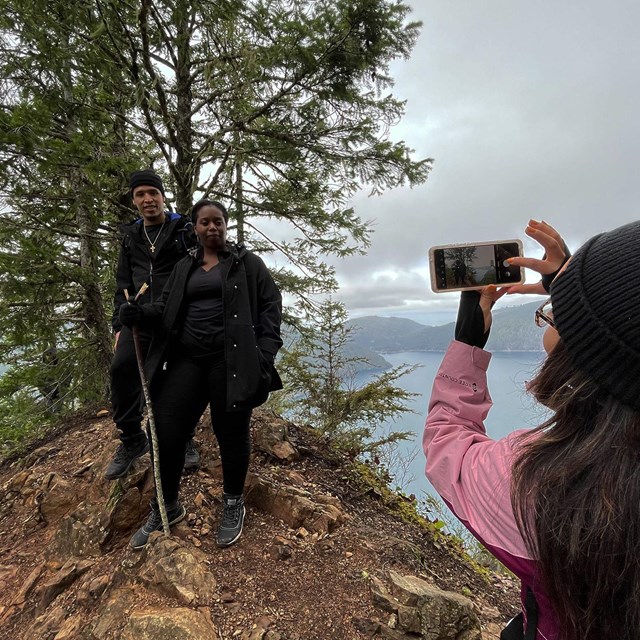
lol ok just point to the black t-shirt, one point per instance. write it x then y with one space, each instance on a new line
203 328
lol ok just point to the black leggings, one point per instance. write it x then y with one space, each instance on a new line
179 397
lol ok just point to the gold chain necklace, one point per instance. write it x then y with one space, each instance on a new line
152 245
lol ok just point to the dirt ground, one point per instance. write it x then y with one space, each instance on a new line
303 586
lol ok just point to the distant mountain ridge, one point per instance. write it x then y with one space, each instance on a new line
513 330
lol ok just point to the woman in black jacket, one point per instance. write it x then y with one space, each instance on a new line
216 335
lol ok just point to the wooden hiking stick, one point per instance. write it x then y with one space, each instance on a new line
152 423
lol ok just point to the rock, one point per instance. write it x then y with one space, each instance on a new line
6 574
283 552
492 631
259 629
58 498
27 585
284 451
71 629
296 507
63 579
419 608
296 478
91 590
381 597
82 533
98 586
127 511
168 624
18 481
367 627
47 625
393 634
173 569
40 454
271 436
85 466
103 413
113 614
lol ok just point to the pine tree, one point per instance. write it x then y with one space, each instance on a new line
280 107
63 166
321 389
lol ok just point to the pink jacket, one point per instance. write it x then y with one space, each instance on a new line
472 472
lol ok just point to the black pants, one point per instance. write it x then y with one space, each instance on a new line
180 396
126 390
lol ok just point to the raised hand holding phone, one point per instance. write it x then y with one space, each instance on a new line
474 315
471 266
556 253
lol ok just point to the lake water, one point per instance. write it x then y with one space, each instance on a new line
512 407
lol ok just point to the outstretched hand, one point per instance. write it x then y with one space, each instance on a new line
474 315
555 255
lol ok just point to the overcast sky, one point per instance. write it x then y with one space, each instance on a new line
530 109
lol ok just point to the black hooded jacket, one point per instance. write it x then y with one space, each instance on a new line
137 265
252 315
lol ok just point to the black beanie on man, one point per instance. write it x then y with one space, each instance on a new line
146 178
596 309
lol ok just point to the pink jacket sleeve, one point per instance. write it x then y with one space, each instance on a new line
466 467
472 472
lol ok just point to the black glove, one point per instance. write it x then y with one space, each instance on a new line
130 314
548 278
470 321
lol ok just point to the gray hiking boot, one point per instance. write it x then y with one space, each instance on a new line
230 528
175 513
191 457
123 458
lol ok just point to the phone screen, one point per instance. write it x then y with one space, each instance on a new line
469 266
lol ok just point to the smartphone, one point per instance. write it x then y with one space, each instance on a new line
456 267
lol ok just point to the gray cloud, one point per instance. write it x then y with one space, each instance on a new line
530 110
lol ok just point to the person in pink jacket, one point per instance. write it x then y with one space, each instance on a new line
558 505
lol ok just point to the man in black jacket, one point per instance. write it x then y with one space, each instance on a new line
149 250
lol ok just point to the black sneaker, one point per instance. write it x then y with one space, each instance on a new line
124 457
175 513
191 457
230 528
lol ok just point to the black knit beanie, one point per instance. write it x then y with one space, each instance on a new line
147 178
596 309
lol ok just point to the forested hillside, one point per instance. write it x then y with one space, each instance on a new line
513 330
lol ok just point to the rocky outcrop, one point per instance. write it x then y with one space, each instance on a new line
168 624
303 565
418 610
178 571
316 512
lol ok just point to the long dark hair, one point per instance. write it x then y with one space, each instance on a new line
576 498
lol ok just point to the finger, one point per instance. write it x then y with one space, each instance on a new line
551 240
536 288
535 264
489 295
546 228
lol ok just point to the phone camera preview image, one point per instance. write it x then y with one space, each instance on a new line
474 266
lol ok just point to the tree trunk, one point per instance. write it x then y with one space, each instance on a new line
239 208
185 173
